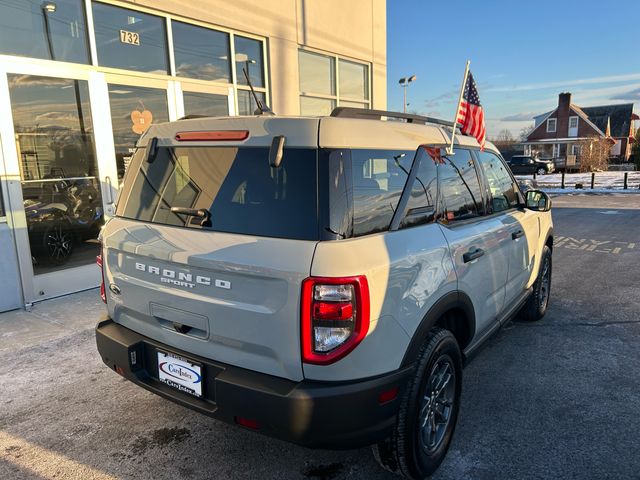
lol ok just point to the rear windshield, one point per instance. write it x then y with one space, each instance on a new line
242 193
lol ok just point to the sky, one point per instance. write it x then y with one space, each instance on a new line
523 54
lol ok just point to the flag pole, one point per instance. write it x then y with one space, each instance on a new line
455 118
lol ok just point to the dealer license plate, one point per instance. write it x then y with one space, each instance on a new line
180 373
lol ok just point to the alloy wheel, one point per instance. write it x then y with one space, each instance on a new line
437 404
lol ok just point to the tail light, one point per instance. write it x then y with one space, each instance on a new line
335 317
99 262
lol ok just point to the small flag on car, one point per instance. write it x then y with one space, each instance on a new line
470 114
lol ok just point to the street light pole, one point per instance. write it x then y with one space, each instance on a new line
47 8
404 83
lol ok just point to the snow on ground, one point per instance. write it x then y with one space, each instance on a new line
603 180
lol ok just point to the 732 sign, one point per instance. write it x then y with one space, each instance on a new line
131 38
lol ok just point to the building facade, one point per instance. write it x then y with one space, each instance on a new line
80 80
561 133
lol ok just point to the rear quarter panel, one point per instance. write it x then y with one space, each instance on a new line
408 271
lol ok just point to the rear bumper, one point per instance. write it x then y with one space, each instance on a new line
309 413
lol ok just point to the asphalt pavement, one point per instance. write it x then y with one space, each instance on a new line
555 399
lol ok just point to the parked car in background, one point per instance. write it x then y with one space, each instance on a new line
527 165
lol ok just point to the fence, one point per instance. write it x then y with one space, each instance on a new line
588 181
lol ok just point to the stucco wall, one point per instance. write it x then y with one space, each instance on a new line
354 29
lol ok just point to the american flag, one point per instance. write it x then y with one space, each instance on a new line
470 114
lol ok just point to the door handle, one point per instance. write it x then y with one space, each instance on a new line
472 255
517 235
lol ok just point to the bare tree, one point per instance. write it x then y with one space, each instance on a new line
526 131
504 136
635 150
594 154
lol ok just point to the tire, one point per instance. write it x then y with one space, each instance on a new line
538 302
416 452
541 171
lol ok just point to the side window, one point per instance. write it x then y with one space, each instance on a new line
421 207
459 187
503 189
378 178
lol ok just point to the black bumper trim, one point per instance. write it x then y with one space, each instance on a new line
334 415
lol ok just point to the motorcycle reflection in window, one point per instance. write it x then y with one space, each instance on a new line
61 215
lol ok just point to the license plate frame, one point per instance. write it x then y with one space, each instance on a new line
180 373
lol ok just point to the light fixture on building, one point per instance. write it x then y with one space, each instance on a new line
404 82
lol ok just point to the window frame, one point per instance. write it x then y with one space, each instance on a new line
337 98
555 125
577 119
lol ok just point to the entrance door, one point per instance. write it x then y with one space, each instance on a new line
60 183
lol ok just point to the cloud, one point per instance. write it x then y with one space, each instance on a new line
631 96
436 101
519 117
569 83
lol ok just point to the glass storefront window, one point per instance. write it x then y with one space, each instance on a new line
206 104
249 54
133 110
317 73
354 80
316 106
129 39
58 169
52 30
247 104
201 53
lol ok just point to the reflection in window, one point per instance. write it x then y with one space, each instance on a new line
316 106
2 212
378 179
317 73
459 187
206 104
421 206
249 56
133 110
502 186
201 53
60 181
49 30
247 104
129 39
354 80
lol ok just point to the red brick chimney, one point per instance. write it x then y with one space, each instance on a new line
564 100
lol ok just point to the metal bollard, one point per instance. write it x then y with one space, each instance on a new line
562 184
626 177
593 179
534 175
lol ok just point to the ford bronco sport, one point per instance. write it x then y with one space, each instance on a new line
319 280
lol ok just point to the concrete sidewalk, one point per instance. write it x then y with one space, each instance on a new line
50 320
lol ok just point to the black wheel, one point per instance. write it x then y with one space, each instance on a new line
537 304
541 171
58 243
428 412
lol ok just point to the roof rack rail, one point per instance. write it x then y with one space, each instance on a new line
364 113
191 117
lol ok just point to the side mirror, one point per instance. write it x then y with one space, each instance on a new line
538 200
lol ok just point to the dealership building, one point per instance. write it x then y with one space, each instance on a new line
80 80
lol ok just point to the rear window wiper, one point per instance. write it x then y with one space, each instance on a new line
202 213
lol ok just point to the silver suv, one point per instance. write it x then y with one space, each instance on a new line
319 280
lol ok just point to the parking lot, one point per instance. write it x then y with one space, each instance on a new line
555 399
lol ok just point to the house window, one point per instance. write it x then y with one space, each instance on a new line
573 122
551 125
327 81
575 149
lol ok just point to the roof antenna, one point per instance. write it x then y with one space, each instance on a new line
262 109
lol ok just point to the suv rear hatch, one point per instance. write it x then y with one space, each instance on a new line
228 290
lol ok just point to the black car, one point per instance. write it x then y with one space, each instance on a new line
527 165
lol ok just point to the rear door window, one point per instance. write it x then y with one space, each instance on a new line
236 185
378 178
459 187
